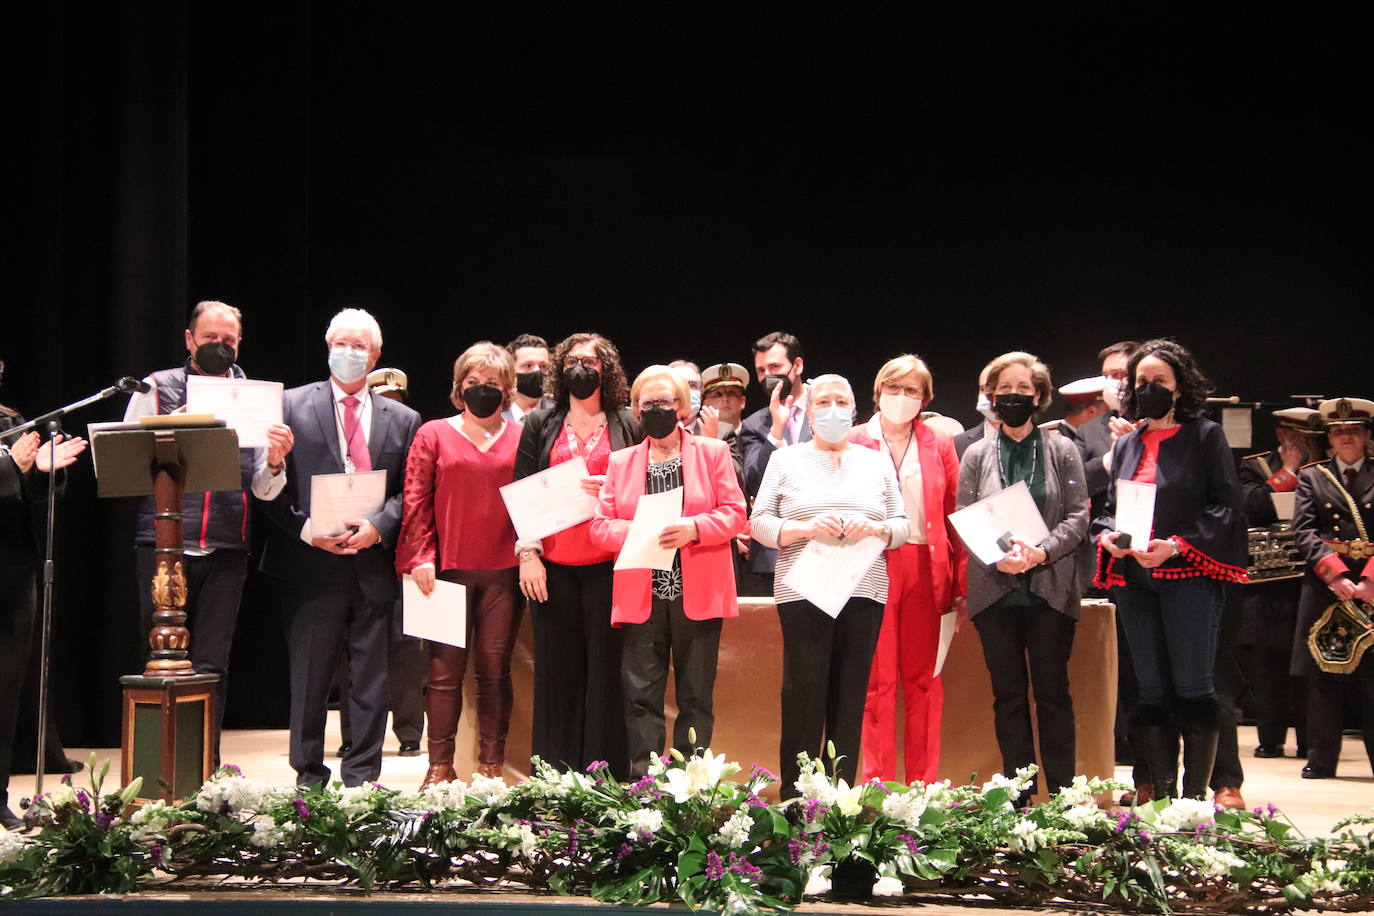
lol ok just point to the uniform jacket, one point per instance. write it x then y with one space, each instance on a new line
711 497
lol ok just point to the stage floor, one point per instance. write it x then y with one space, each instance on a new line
1312 805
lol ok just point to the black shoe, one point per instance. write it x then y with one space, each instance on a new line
409 749
1266 750
10 821
344 749
1315 772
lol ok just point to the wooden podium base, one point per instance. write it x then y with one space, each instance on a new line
168 736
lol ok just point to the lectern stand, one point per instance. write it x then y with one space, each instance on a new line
169 708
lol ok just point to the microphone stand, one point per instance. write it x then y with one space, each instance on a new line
51 422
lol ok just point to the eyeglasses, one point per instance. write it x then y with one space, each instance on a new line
910 391
587 362
661 403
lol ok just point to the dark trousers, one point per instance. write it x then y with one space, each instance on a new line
319 620
579 714
1171 625
1038 640
1325 713
825 666
214 584
694 645
1230 687
18 608
493 620
1280 698
408 670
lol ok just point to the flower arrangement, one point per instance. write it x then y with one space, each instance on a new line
689 832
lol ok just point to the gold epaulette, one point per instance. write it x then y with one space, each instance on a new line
1312 464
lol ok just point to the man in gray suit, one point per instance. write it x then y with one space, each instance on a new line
339 587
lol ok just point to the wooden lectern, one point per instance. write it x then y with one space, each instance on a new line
168 710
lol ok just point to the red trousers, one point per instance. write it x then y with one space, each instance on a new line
907 646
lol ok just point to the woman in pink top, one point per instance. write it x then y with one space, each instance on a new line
677 609
455 528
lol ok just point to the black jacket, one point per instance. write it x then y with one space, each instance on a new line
543 426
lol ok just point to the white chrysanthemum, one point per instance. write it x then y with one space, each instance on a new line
1085 816
238 793
150 820
520 835
735 832
489 790
906 807
1185 814
1025 835
355 801
11 847
816 786
1079 792
266 833
442 796
1212 861
642 823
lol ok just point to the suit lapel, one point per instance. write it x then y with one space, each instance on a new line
324 414
377 435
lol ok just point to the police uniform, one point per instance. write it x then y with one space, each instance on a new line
1334 519
1267 610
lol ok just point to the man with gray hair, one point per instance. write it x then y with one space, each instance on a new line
339 587
214 526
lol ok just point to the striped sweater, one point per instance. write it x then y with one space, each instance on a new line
801 482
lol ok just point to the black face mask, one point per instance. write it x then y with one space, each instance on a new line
482 400
214 358
659 422
530 384
1153 401
1014 410
782 382
581 382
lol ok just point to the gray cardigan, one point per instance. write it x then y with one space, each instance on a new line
1066 512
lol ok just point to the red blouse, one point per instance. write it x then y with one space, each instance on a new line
573 546
1149 458
453 514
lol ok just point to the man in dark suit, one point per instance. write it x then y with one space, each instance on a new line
990 423
340 586
778 366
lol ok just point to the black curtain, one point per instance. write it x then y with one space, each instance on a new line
679 182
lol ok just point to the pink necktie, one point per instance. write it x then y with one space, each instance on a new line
357 443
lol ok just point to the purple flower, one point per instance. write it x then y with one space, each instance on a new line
66 779
1122 820
813 810
912 846
1272 809
742 866
596 765
715 868
795 848
103 819
758 772
643 785
302 810
155 853
1145 835
752 800
230 768
83 799
624 850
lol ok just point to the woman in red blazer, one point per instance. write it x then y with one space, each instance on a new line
925 575
679 608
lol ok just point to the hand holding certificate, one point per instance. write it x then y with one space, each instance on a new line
828 570
440 616
984 524
550 501
1135 512
248 407
336 498
641 549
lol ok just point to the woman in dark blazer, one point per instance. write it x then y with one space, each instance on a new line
578 713
1026 606
1169 592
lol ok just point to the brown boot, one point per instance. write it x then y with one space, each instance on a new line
491 770
437 773
1143 795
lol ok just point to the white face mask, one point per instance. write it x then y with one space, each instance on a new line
898 409
347 364
832 423
1111 393
984 407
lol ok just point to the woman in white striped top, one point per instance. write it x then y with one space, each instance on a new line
828 489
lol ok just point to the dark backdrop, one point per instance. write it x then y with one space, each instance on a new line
683 183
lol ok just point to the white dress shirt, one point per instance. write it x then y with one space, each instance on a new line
364 414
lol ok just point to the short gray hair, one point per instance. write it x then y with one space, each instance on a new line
831 378
213 305
354 318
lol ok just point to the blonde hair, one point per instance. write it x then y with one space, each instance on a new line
666 374
483 355
1040 375
899 366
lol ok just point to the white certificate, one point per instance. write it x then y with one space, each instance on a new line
1011 510
336 498
440 616
550 501
828 570
655 512
1135 511
1236 424
1284 504
947 623
248 407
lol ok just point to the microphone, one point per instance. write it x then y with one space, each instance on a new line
128 384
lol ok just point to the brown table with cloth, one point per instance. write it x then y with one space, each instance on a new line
749 682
